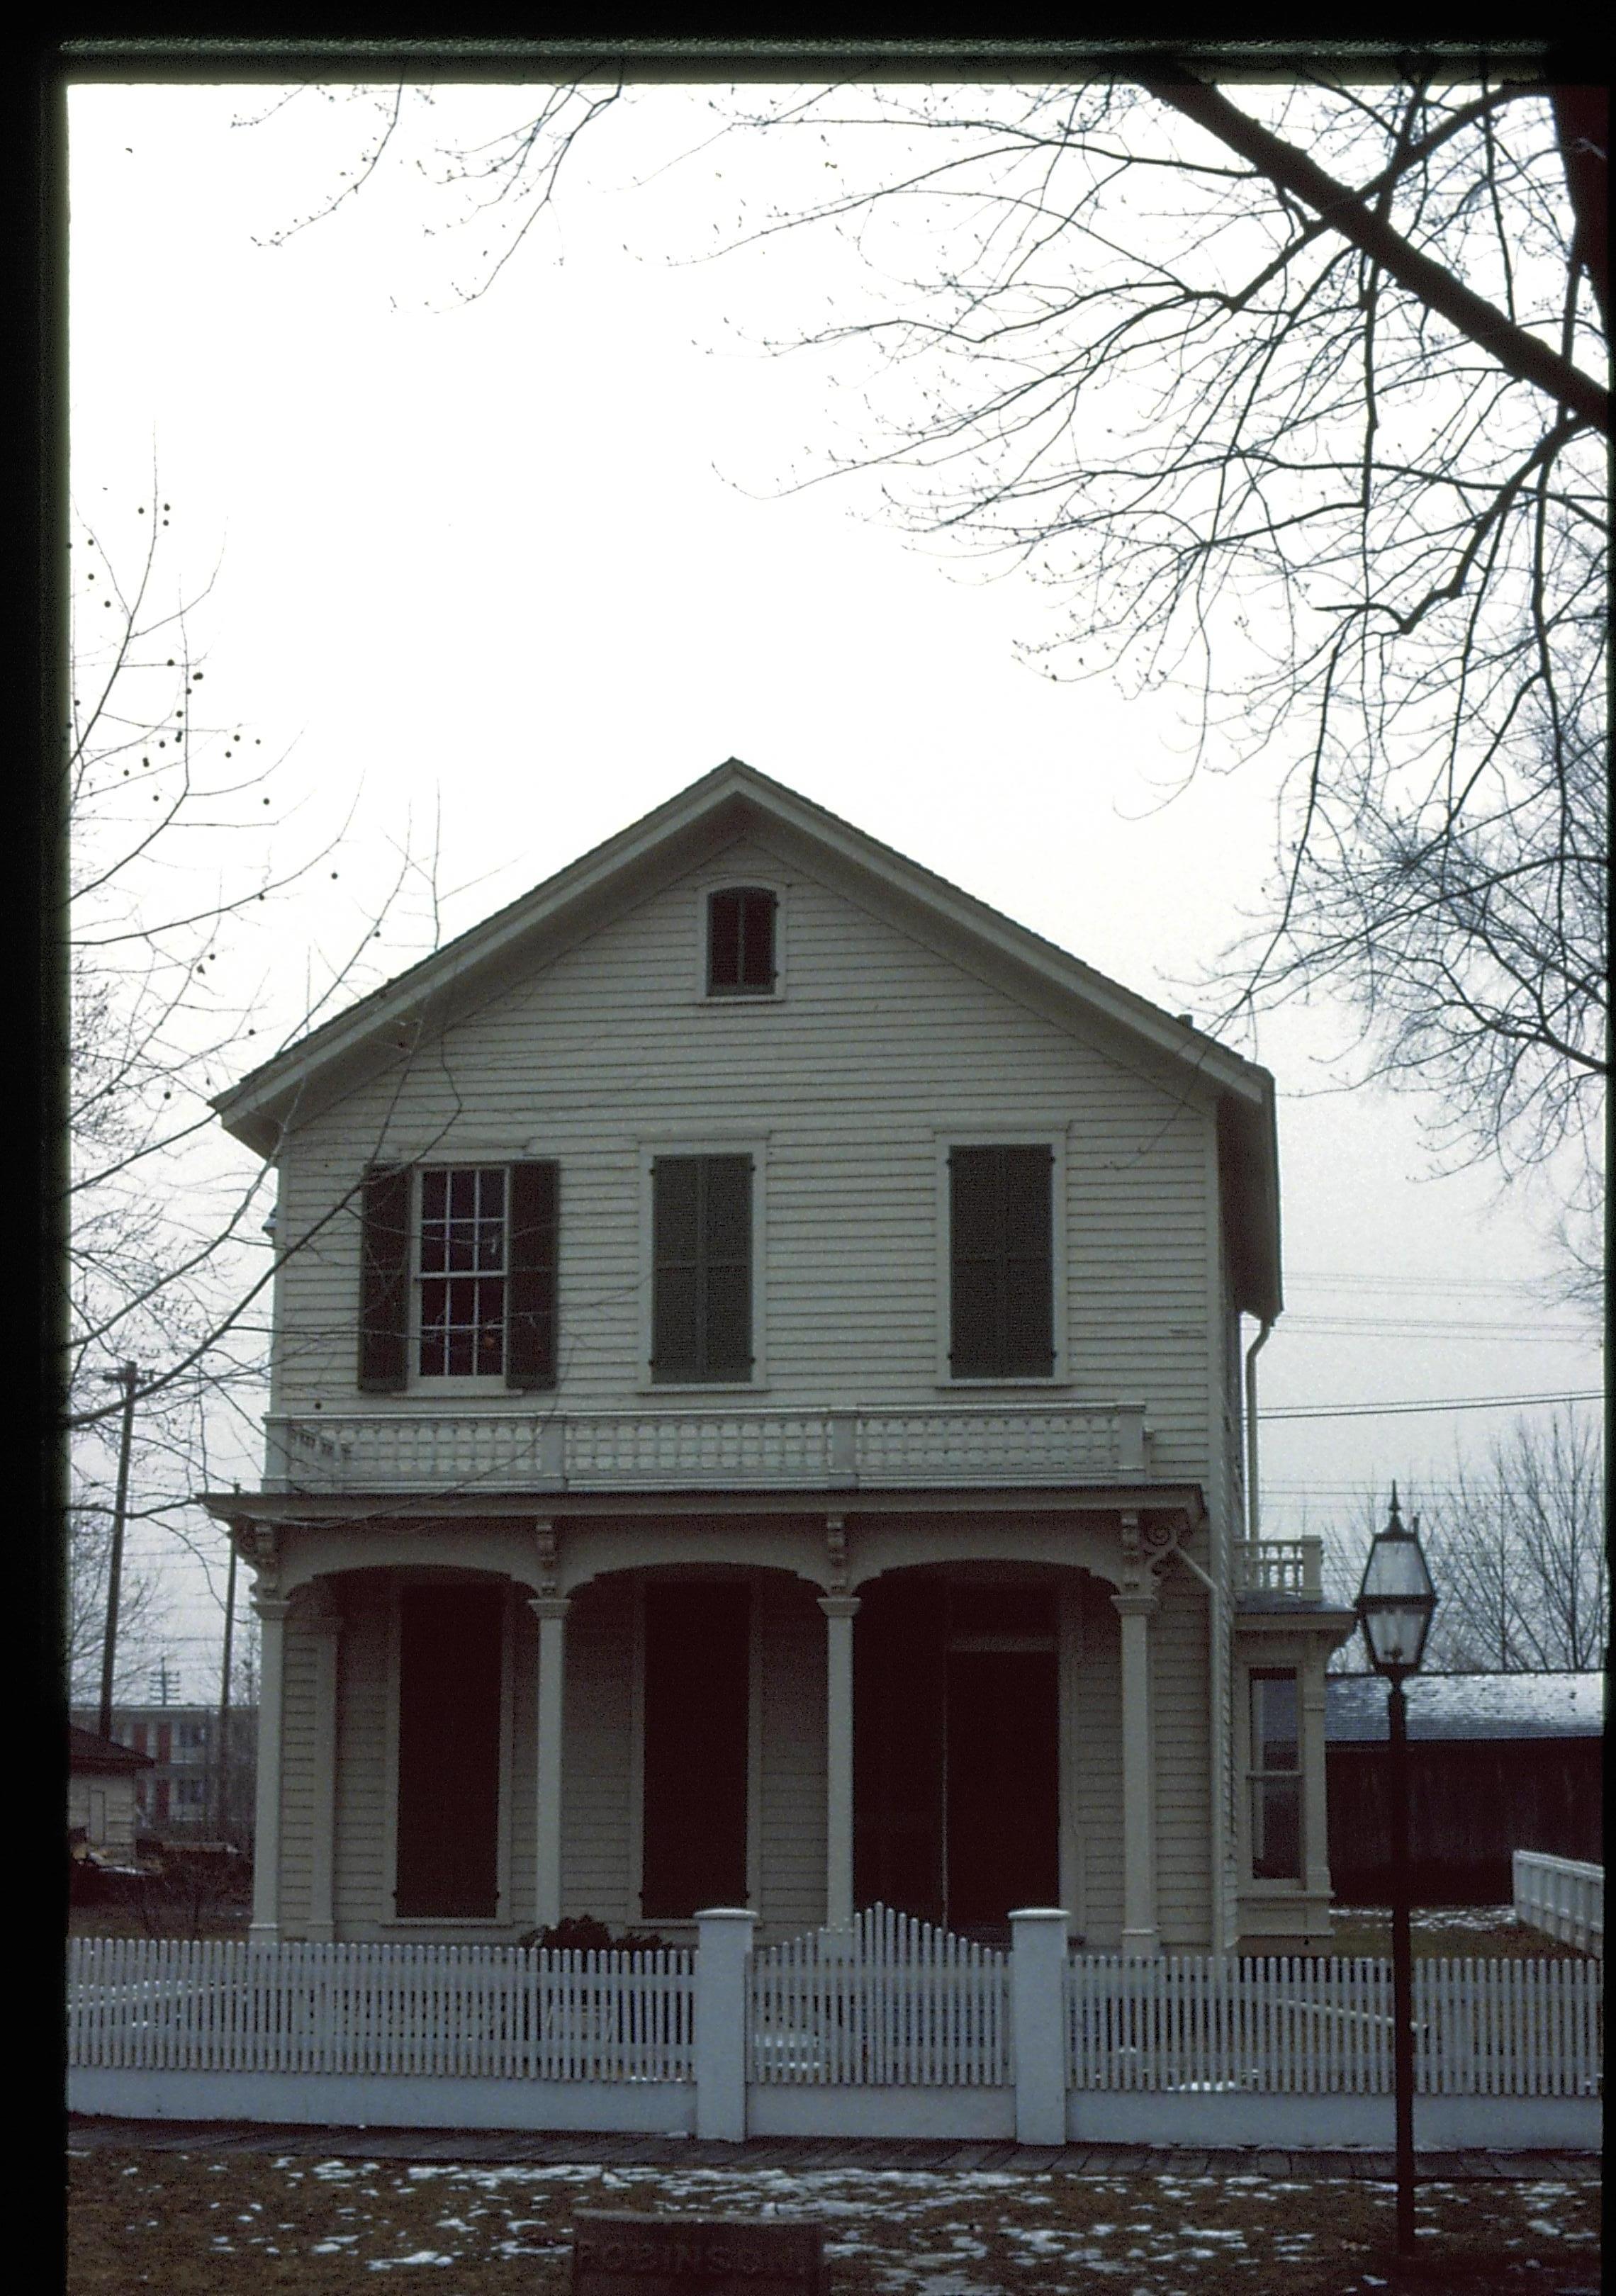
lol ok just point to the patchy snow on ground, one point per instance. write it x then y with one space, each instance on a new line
474 2229
1434 1918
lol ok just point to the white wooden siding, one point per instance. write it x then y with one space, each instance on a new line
595 1764
298 1758
1098 1782
1180 1693
878 1042
792 1814
522 1820
361 1901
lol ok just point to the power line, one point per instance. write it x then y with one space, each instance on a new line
1406 1328
1440 1403
1345 1279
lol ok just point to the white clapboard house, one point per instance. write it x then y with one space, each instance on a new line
756 1419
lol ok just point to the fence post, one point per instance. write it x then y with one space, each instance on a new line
724 1944
1037 2022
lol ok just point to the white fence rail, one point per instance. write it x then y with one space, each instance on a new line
167 2004
889 2028
1324 2028
890 2001
1561 1897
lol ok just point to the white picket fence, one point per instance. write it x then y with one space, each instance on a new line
1278 2025
890 2001
169 2004
888 2028
1561 1896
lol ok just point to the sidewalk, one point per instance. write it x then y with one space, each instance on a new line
919 2154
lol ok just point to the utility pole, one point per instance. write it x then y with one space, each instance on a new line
127 1377
222 1818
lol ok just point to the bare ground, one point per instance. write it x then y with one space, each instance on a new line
197 2221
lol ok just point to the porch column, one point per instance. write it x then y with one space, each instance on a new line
551 1612
1139 1932
840 1612
324 1623
266 1927
1315 1843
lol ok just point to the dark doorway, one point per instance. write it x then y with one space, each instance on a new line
898 1745
449 1670
697 1694
1003 1788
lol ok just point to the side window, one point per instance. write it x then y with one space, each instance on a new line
1001 1298
1275 1777
741 956
465 1257
461 1272
701 1275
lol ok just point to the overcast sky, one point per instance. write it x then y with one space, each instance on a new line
508 573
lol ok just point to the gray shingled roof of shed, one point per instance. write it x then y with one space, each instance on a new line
1469 1706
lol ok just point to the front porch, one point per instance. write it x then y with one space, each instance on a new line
633 1714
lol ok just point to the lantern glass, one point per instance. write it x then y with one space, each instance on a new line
1396 1601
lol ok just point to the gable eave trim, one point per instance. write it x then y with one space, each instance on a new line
252 1110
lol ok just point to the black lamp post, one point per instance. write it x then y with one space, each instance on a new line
1394 1609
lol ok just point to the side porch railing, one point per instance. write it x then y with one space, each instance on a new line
1561 1896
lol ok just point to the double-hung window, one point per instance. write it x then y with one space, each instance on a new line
458 1275
1275 1776
701 1269
1001 1304
462 1272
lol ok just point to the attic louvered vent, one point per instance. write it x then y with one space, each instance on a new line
741 941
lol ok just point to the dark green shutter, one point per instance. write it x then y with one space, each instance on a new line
384 1257
727 1252
701 1296
741 940
530 1286
1029 1289
1001 1305
675 1337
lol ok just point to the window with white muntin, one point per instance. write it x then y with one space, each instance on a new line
1273 1774
460 1277
458 1271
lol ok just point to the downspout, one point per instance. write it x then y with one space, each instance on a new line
1253 1512
1226 1720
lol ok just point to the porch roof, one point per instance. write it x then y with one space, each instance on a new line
1183 1504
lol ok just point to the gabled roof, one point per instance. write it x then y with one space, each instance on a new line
87 1751
733 801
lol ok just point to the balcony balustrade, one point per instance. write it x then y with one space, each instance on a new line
941 1447
1281 1566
